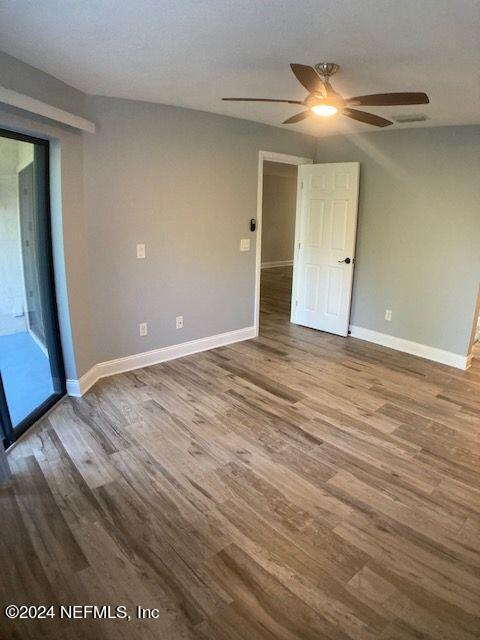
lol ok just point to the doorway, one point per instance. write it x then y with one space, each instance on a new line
277 203
32 377
319 291
278 238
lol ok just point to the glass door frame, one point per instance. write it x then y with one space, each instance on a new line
8 433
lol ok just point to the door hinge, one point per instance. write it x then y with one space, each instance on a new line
296 303
299 245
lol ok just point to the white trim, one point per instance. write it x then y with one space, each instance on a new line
276 263
79 387
469 360
413 348
273 157
21 101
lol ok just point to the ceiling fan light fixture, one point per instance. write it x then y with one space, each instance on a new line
324 110
322 99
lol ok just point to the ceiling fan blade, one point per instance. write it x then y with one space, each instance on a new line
298 117
308 77
328 90
389 99
262 100
368 118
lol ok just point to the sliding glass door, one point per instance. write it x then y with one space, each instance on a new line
32 378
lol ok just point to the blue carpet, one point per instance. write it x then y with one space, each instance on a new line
26 374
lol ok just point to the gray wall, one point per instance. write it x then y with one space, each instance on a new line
418 231
21 77
66 173
185 183
278 212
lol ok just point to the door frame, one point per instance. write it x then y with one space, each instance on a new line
474 332
10 434
283 158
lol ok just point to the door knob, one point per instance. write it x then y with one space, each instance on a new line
346 260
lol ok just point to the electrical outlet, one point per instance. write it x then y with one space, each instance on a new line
245 244
388 314
141 251
143 329
179 322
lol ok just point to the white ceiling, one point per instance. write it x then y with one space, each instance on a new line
192 52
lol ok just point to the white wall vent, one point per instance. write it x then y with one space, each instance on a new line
411 117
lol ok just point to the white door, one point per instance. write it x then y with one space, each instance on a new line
325 235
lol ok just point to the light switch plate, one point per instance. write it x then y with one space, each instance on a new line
143 329
245 244
140 251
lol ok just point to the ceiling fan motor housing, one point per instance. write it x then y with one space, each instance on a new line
326 69
317 98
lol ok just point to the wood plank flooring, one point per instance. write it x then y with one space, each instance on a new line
297 486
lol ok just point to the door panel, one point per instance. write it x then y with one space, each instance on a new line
311 288
325 236
316 216
334 291
339 224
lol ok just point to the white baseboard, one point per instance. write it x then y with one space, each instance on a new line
278 263
78 388
413 348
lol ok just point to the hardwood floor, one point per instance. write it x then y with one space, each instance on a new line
297 486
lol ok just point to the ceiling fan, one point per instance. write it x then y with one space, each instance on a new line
323 100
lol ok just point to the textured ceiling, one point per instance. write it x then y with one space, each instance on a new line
191 53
